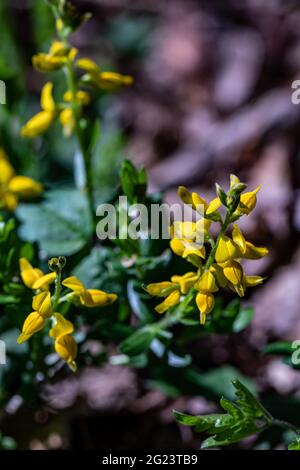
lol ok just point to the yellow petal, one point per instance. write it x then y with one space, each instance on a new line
24 186
29 274
110 81
194 249
8 200
61 328
73 53
44 281
199 204
41 303
47 63
74 284
177 246
202 228
6 170
172 300
38 124
254 252
233 271
239 238
207 283
47 101
226 250
96 298
67 121
213 206
58 48
82 97
33 323
88 65
185 195
205 303
157 289
251 281
248 201
185 282
186 230
66 348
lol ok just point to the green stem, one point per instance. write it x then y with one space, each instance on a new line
84 151
285 425
57 291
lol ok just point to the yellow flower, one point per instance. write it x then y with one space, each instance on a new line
185 282
207 209
55 59
219 265
67 121
227 249
61 328
107 81
88 297
33 323
82 97
170 301
206 283
41 303
233 271
247 249
34 278
12 186
247 202
169 290
66 348
205 301
41 122
205 304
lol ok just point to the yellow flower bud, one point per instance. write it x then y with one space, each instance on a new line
248 202
24 186
66 348
205 303
157 289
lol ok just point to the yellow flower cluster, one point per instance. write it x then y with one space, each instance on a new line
13 186
61 56
221 266
44 307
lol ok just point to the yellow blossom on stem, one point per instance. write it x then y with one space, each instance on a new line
55 59
41 122
13 187
218 264
88 297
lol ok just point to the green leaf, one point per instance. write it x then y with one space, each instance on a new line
243 319
61 224
295 444
243 418
133 181
138 342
